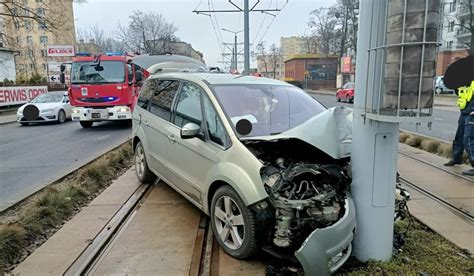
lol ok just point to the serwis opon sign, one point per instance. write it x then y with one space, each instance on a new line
60 50
20 94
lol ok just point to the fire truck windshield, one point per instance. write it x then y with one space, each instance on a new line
104 72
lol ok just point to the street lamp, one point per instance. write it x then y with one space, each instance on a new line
234 54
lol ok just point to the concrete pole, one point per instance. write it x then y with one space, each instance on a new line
375 145
246 38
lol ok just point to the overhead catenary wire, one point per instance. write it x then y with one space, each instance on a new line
269 25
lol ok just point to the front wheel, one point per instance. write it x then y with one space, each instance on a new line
61 116
439 90
233 224
86 124
141 166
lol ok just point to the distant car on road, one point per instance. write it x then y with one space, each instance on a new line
439 86
267 162
346 93
48 107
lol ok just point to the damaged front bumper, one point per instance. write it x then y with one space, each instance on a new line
327 249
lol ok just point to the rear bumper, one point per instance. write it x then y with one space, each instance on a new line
326 250
115 113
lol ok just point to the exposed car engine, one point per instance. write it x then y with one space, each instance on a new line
305 194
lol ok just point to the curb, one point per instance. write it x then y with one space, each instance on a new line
6 123
425 136
61 178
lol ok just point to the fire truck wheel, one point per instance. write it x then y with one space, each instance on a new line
86 124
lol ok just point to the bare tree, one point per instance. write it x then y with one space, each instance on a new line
274 58
324 24
311 44
148 33
95 39
262 56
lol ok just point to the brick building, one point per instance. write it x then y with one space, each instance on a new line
315 71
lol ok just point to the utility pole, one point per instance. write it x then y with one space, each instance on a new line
235 45
246 10
394 85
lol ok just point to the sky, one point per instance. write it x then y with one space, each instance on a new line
198 30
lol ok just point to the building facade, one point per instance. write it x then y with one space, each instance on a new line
455 38
315 71
271 66
35 25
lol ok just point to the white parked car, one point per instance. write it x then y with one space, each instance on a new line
48 107
439 86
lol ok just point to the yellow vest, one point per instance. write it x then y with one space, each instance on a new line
465 95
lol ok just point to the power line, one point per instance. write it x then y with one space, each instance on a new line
269 25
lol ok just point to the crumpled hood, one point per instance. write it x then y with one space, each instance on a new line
329 131
41 106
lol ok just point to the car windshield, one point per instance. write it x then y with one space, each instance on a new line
272 109
104 72
48 98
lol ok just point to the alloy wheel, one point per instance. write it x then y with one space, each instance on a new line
140 162
229 222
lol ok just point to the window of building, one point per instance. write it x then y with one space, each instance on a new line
42 25
43 53
44 39
40 11
18 39
44 66
17 25
21 66
188 109
449 44
29 39
28 25
163 96
30 53
32 66
451 26
452 6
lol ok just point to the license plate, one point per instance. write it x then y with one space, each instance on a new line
96 115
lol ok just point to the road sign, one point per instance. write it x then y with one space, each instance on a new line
60 50
53 66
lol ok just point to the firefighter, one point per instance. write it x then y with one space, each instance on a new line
460 77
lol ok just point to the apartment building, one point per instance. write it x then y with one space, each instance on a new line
35 24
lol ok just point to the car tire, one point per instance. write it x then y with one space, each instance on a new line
24 124
438 90
226 206
86 124
338 99
61 116
141 166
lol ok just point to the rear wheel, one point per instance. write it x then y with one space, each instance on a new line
141 166
233 224
338 99
61 116
86 124
24 124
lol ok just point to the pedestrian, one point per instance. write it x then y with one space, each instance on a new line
460 77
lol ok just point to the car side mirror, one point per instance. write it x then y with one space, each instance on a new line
62 78
190 130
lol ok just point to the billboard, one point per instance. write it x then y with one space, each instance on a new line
60 50
20 94
346 65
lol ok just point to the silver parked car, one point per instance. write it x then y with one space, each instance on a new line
268 163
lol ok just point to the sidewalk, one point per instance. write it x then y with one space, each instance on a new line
6 119
444 102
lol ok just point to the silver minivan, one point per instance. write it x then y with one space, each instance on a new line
267 162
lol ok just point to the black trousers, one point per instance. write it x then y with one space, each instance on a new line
464 139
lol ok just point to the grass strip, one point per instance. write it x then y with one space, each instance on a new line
43 214
425 252
429 145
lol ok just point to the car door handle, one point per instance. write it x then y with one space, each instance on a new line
171 138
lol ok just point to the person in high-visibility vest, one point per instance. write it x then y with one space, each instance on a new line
460 77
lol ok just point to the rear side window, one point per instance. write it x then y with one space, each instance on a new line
188 107
145 93
162 98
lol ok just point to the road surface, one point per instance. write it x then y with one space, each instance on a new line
443 128
33 156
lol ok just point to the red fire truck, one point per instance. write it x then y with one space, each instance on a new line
103 87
